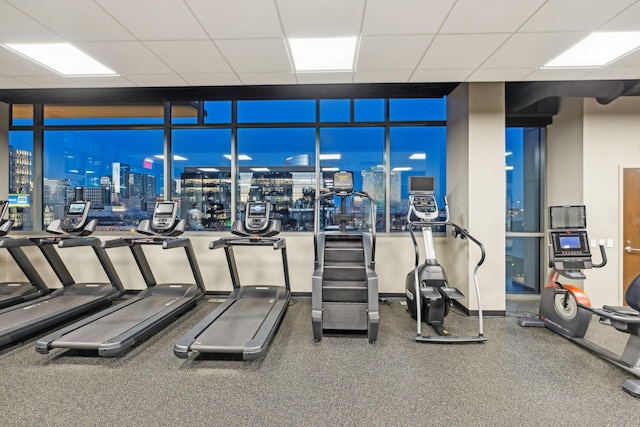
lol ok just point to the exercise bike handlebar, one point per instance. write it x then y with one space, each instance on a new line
603 256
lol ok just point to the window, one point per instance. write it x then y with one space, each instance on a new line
523 169
202 176
20 179
119 171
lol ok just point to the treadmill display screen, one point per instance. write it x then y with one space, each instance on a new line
76 208
164 208
257 210
343 182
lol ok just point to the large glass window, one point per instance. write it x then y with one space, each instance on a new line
415 151
278 165
360 150
65 115
523 169
202 176
21 179
119 171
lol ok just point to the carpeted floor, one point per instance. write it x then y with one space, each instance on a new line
519 377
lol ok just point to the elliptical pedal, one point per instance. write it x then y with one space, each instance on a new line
429 292
451 293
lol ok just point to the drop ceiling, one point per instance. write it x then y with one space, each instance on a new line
182 43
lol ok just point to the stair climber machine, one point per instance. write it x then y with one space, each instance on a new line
428 294
344 283
247 321
112 331
567 310
14 292
73 299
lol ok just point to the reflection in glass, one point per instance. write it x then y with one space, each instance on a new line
119 171
20 179
523 265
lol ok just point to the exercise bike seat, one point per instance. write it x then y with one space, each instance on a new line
632 296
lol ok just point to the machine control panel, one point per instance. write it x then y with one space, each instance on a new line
425 207
164 215
257 216
75 217
343 182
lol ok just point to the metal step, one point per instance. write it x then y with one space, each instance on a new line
344 272
343 254
345 291
344 316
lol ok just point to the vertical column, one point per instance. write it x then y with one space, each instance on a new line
476 191
4 151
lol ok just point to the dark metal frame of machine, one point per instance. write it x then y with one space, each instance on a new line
112 331
246 322
342 307
73 299
424 208
15 292
567 310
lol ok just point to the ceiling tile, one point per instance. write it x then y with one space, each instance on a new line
386 76
322 78
262 55
267 78
50 82
558 74
153 20
461 50
500 75
111 81
9 83
156 80
495 16
630 60
190 56
75 20
238 19
614 73
16 27
384 17
221 79
391 52
125 57
531 50
439 76
628 20
327 18
573 15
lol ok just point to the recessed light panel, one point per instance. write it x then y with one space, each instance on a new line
62 58
323 54
597 50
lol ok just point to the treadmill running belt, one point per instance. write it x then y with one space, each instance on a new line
236 326
43 310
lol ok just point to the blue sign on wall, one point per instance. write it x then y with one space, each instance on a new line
19 200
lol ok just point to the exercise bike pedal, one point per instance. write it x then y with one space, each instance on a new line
429 292
451 293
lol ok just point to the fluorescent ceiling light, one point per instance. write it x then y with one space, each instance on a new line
597 49
175 157
240 157
260 169
323 54
402 169
209 169
509 168
418 156
330 169
62 58
330 156
508 153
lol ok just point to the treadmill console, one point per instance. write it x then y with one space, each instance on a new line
164 216
422 202
257 216
343 182
75 217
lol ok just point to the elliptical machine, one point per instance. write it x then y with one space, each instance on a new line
428 294
567 310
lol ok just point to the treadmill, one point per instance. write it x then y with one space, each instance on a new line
112 331
14 292
73 299
247 321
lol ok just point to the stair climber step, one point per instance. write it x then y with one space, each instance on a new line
345 291
344 272
343 255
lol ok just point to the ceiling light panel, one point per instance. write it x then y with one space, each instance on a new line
323 54
62 58
598 49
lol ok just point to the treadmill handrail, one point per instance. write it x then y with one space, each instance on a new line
277 243
72 242
10 242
